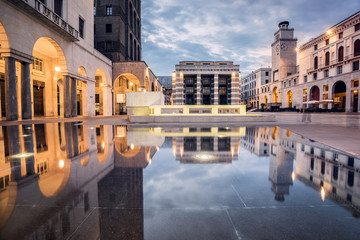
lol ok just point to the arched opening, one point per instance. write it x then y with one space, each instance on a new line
152 87
265 101
357 47
81 93
124 83
327 59
315 62
275 95
4 43
102 143
339 93
138 52
315 93
134 56
100 92
131 47
289 99
341 54
49 62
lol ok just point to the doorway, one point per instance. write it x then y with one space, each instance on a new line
38 91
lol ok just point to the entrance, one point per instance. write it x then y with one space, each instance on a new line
38 90
355 101
340 96
78 102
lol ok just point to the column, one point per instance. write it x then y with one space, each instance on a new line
14 151
25 91
198 90
73 98
10 89
75 136
29 148
68 140
67 102
216 89
348 98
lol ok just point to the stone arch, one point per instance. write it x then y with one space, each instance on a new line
124 83
100 92
4 40
82 71
315 93
275 95
55 179
289 99
339 95
49 63
4 44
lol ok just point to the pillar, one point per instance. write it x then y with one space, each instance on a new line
68 140
75 136
198 90
29 148
14 150
25 91
67 102
73 98
10 89
216 89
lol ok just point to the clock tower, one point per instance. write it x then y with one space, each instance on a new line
283 52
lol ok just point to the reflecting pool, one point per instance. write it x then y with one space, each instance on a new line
74 181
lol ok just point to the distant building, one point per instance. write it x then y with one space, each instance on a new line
206 83
252 87
118 29
166 82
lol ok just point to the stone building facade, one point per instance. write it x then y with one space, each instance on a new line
327 74
48 64
206 83
252 87
118 29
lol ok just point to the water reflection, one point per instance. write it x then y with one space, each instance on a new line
68 180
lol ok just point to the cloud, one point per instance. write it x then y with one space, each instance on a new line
234 30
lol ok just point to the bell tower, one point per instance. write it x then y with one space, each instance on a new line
283 52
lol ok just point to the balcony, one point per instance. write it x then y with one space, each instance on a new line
334 63
46 16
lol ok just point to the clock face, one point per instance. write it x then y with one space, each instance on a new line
277 48
284 46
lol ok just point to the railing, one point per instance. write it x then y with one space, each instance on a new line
349 57
53 17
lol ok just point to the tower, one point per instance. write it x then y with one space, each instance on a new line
283 52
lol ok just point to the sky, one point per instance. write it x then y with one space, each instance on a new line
241 31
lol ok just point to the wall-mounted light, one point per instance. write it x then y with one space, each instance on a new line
101 84
61 163
131 83
57 69
329 31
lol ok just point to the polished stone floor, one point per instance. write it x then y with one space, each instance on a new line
91 181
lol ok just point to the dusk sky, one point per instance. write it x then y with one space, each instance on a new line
233 30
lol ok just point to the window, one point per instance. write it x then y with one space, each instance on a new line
266 73
327 42
38 64
315 62
326 73
327 59
315 47
266 81
356 65
108 28
325 96
288 74
357 27
81 27
355 83
315 76
109 10
339 70
357 48
341 35
58 7
341 54
305 79
284 84
294 81
108 45
326 88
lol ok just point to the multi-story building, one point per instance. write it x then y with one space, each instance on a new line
118 29
252 87
49 66
206 83
327 74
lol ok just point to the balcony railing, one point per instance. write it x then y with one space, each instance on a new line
321 67
36 7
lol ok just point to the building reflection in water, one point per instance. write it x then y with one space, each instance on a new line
334 174
66 177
